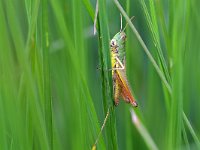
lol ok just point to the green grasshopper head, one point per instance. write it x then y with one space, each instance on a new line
118 40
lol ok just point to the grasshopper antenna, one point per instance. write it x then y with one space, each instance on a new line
120 22
102 127
127 23
95 17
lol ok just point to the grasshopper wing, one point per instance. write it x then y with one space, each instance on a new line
125 89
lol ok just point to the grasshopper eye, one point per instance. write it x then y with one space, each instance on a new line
113 43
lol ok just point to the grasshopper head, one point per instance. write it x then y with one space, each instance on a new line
118 39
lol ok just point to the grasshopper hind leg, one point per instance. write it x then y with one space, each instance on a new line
117 91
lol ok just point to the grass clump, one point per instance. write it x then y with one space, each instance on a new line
53 97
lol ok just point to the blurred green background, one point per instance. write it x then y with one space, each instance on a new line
52 96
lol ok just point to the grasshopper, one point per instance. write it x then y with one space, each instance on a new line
120 82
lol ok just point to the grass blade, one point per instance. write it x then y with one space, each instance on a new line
106 76
143 131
